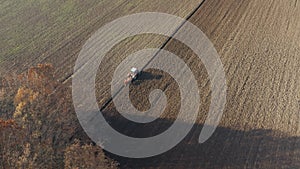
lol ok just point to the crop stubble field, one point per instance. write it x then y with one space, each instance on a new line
258 42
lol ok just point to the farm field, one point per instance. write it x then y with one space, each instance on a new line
54 31
259 45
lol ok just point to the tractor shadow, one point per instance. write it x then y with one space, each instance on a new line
145 76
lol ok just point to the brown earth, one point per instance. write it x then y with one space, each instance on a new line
258 42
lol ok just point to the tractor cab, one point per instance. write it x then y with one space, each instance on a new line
134 72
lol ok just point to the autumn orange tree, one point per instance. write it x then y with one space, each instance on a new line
42 127
10 143
86 156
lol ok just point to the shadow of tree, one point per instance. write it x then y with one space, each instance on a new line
227 148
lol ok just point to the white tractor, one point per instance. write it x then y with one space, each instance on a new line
131 76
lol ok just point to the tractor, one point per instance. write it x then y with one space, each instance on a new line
131 76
